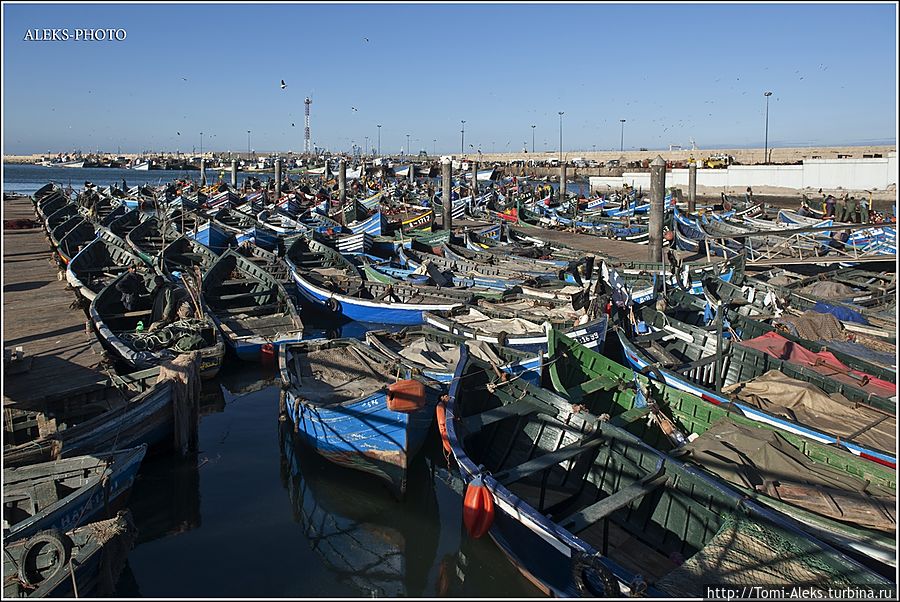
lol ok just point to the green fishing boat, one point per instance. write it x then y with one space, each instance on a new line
839 497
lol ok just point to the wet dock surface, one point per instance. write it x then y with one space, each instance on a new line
38 315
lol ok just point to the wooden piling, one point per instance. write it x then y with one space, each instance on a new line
657 207
446 174
692 186
277 178
234 173
342 189
202 172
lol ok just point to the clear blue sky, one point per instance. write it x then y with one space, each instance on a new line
673 71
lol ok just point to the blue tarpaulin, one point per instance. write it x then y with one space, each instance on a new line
844 314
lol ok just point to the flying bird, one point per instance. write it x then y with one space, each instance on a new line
292 125
179 133
355 109
184 78
283 85
366 39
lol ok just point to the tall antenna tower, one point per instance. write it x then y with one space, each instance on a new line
306 145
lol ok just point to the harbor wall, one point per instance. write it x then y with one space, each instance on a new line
850 174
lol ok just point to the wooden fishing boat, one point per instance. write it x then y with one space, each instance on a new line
851 286
118 331
408 218
435 353
147 418
687 359
84 562
250 307
65 494
518 321
183 253
59 224
98 263
53 202
123 225
584 508
765 298
341 399
838 497
244 228
329 282
150 236
73 241
51 188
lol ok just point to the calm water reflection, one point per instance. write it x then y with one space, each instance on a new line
255 514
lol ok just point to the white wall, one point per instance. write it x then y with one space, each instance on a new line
851 174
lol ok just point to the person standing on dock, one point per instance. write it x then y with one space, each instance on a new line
829 206
840 208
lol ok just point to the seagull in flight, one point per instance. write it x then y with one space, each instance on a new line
184 78
354 109
283 85
366 39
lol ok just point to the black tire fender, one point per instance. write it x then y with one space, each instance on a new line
584 564
58 541
333 305
502 338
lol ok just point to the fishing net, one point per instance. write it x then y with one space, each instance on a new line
181 336
812 325
828 290
749 553
116 538
184 374
336 375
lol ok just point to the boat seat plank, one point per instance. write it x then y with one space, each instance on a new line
665 358
474 423
511 475
127 314
653 336
584 518
704 361
629 416
264 293
598 383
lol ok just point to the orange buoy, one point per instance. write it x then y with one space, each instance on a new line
478 508
441 413
406 396
267 353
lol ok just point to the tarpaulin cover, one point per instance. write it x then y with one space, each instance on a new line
843 314
513 326
444 356
811 325
829 290
862 352
806 404
823 362
763 460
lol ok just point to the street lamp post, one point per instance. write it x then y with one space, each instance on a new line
462 141
379 139
622 139
366 152
560 135
434 147
248 145
766 151
407 144
201 144
532 137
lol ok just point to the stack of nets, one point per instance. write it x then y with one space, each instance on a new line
181 336
812 325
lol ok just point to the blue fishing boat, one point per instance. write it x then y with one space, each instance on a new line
342 399
328 281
